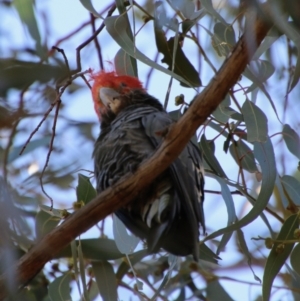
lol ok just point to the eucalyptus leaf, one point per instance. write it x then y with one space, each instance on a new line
25 10
89 6
44 223
126 243
95 249
31 146
292 140
295 255
85 191
279 254
216 292
59 289
243 156
256 122
264 153
206 147
106 280
117 28
292 187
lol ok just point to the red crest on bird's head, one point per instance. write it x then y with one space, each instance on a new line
121 83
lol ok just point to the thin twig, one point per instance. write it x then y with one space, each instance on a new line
58 103
97 45
90 39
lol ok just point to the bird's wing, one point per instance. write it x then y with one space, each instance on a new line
187 174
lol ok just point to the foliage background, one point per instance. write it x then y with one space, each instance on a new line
29 90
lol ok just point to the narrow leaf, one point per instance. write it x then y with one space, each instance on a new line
295 262
85 191
59 289
182 66
256 122
94 249
243 156
117 28
207 4
44 223
106 280
31 146
216 292
283 198
292 187
126 243
207 254
27 16
89 6
123 64
279 254
210 158
292 140
264 153
245 250
230 211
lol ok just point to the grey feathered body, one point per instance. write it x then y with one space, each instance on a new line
168 213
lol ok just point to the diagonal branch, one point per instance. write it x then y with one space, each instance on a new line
129 186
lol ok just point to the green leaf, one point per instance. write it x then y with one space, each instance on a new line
223 38
256 122
292 140
20 74
95 249
243 156
282 195
295 255
175 115
278 257
264 46
207 4
126 243
296 74
292 187
206 254
207 150
123 11
58 213
31 146
216 292
243 245
27 16
227 197
123 64
134 258
89 6
106 280
182 66
187 24
117 28
93 292
59 289
85 191
265 70
222 113
264 153
82 270
44 223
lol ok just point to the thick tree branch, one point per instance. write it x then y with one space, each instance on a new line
128 187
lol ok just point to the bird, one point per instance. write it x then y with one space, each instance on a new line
168 214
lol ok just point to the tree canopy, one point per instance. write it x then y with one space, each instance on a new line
228 74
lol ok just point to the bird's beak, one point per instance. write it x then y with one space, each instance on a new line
110 98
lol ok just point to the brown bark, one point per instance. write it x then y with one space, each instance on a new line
129 186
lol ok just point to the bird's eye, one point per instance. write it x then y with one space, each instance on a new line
123 85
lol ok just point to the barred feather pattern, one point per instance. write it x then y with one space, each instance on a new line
168 213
